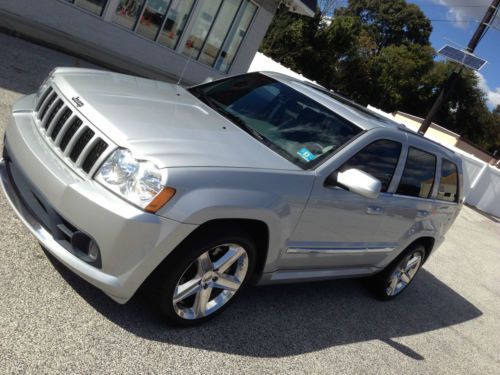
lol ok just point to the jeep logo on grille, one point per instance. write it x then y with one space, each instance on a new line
77 101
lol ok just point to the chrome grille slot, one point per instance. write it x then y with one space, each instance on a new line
45 106
59 124
99 147
78 143
75 125
52 113
42 98
81 143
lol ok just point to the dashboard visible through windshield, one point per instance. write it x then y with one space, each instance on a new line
292 124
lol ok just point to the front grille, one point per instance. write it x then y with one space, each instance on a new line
75 141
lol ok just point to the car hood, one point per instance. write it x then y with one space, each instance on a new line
162 122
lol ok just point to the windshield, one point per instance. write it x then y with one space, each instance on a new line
292 124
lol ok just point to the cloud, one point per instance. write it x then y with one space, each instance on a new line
460 10
492 96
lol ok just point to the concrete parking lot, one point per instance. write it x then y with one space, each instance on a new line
53 322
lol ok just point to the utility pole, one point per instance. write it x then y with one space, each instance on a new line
452 80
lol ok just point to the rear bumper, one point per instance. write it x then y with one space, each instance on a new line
42 190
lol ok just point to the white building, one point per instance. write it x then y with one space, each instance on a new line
153 38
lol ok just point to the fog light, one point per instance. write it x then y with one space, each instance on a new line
93 251
85 248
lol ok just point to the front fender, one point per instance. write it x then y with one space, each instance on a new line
274 198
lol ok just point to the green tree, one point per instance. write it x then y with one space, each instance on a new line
390 22
378 52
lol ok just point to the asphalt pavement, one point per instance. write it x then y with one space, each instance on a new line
53 322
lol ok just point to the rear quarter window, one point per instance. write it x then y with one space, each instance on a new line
418 175
448 183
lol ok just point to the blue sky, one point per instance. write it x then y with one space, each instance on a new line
454 22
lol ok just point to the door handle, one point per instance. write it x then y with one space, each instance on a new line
375 210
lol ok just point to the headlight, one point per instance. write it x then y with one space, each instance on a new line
137 181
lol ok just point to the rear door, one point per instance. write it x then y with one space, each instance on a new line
411 208
425 198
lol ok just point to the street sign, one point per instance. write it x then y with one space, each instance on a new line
462 57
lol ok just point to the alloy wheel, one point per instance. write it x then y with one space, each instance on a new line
210 281
404 272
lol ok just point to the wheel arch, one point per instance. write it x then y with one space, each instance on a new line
257 229
427 242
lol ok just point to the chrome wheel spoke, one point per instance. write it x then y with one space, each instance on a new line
226 282
391 289
201 302
412 263
228 259
404 277
204 263
187 289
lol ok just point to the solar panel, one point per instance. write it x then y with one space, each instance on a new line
461 57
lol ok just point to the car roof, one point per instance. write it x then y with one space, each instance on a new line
356 113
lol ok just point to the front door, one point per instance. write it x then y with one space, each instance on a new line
342 229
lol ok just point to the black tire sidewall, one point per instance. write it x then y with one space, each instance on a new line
181 259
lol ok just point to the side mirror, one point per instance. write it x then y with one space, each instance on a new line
356 181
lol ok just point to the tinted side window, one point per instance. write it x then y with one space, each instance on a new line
418 175
378 159
448 185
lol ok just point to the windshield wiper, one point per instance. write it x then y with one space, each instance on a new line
230 116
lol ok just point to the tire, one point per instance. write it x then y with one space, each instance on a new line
202 279
398 275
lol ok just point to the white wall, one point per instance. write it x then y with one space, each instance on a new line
484 193
261 63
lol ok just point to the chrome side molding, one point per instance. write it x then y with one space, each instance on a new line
322 250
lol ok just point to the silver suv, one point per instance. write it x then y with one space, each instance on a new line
254 178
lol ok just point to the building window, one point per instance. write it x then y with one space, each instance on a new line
175 22
152 18
201 27
127 12
94 6
235 36
218 32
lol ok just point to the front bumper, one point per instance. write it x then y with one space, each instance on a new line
132 242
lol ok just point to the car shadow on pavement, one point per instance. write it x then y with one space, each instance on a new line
286 320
